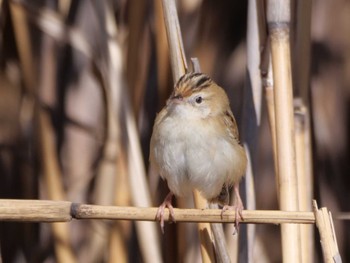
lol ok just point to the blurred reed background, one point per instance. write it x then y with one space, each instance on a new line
80 85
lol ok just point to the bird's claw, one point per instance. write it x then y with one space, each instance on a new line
160 211
238 214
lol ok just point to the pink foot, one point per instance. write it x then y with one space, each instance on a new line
160 212
237 206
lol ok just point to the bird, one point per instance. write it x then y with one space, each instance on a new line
195 145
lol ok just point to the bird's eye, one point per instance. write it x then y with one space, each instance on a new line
199 100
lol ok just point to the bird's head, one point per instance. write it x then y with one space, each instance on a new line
197 95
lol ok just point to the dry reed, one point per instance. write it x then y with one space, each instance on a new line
64 211
122 146
278 18
252 107
324 223
304 173
179 68
52 173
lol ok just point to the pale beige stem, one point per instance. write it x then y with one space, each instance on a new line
256 37
49 158
177 53
270 101
121 229
179 68
52 176
304 173
324 223
278 16
204 230
64 211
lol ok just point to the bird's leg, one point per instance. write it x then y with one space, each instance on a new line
160 212
237 206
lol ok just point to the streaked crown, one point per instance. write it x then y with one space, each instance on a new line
191 83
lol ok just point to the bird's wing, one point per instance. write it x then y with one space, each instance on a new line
231 125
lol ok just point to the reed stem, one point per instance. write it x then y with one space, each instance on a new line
64 211
278 17
179 68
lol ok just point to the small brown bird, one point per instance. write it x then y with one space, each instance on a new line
195 144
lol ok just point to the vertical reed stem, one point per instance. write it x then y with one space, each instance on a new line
324 223
177 53
179 67
304 173
278 17
204 230
251 118
51 170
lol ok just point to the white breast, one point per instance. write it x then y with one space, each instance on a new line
190 156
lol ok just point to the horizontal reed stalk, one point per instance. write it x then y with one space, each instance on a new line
64 211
